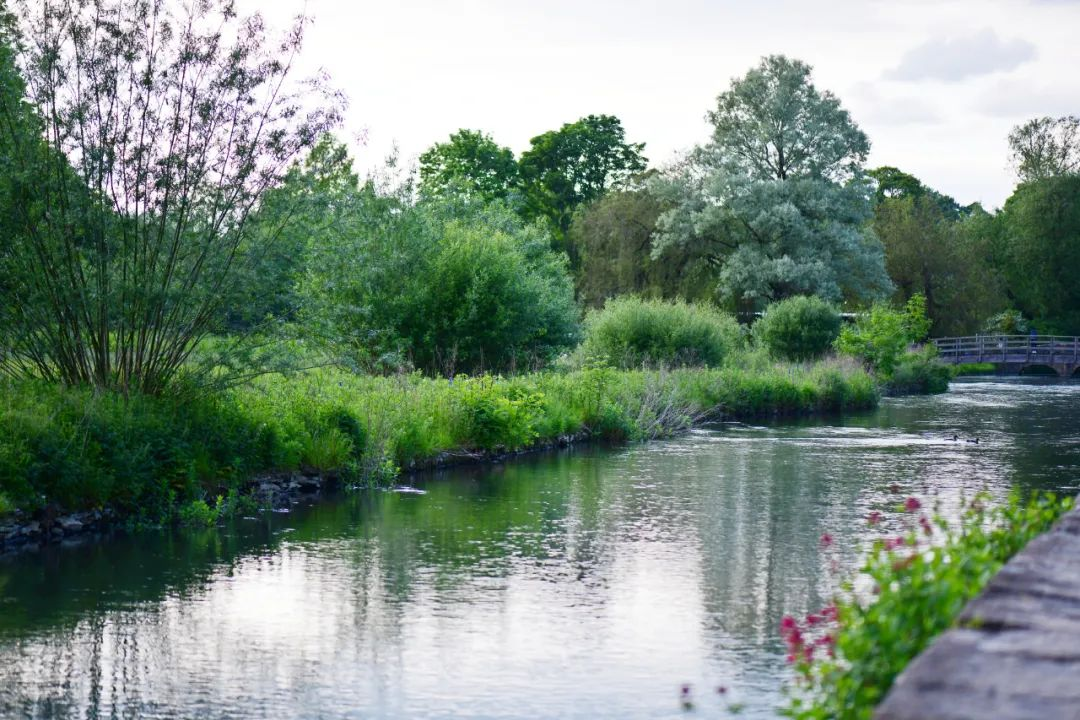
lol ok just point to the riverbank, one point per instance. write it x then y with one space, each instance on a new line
154 460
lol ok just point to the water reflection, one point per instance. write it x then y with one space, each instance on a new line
591 584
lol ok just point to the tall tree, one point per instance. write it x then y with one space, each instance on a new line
161 127
895 183
471 165
613 235
1041 253
928 254
777 201
1046 147
569 167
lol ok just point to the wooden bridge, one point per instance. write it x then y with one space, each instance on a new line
1014 354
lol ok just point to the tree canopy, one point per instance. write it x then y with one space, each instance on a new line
777 202
470 164
1046 147
569 167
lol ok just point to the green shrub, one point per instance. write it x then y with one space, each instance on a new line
919 373
798 328
446 287
848 655
497 416
197 514
631 332
882 335
6 506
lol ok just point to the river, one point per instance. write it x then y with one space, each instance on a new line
592 583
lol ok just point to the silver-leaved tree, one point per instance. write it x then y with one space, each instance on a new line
776 202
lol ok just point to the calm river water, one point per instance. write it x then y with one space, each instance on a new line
590 584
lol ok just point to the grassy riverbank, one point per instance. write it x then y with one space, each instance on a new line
77 449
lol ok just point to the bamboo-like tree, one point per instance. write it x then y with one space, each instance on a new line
136 137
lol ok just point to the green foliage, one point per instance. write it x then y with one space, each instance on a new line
776 202
880 337
495 418
6 505
471 166
326 449
446 287
310 206
963 369
1046 147
130 210
919 373
921 589
1007 322
631 332
1041 252
928 253
142 455
566 168
612 239
893 184
798 328
197 514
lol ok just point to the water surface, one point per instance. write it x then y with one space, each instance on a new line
588 584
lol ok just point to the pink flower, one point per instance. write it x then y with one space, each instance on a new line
826 540
813 619
873 518
788 624
829 612
912 504
894 543
926 526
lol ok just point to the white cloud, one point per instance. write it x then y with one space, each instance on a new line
955 59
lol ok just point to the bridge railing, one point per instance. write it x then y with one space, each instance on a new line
1041 349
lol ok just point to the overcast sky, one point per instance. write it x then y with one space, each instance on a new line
936 85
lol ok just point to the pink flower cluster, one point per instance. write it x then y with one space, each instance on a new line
800 645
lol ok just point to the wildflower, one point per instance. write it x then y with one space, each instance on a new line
829 612
826 540
894 543
912 504
925 525
721 690
873 518
787 624
813 619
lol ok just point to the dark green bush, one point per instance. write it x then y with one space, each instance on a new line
919 373
631 332
445 288
798 328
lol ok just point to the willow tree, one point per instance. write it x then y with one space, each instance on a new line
777 201
138 137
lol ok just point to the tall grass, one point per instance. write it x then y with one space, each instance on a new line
79 448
